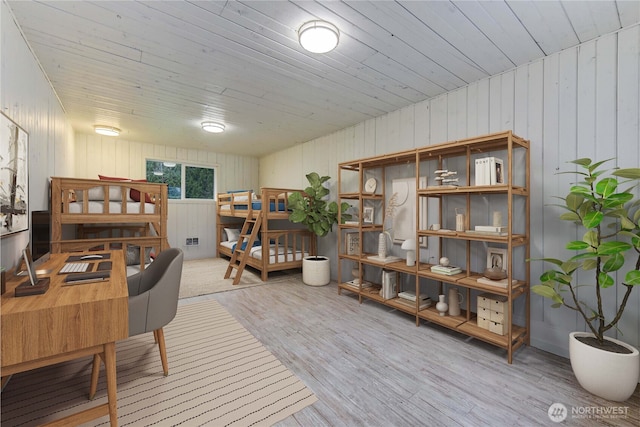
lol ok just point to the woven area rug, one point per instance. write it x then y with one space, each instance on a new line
206 276
219 375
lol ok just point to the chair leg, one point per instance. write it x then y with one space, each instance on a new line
159 333
95 373
155 336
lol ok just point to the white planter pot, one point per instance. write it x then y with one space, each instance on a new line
612 376
316 271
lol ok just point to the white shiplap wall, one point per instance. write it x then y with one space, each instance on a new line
119 157
581 102
28 99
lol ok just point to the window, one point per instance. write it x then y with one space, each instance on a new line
184 181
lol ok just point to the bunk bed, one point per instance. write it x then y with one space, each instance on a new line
109 214
276 249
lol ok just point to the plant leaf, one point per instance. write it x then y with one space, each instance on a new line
605 281
570 216
592 219
577 245
611 248
631 173
606 187
613 263
632 278
545 291
591 237
585 161
573 201
589 264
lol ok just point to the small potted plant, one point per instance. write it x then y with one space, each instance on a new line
609 249
312 209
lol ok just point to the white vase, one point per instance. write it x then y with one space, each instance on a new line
316 270
382 245
442 306
612 376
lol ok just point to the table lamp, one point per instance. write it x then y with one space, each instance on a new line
409 245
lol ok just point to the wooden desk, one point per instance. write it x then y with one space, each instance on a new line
65 323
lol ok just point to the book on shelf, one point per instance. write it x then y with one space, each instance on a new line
356 283
449 270
411 296
488 233
503 283
501 229
489 171
412 304
386 260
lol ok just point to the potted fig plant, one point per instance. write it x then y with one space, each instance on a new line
313 210
606 256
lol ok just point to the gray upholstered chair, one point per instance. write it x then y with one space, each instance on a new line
153 302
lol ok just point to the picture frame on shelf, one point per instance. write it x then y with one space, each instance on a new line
352 243
497 258
367 215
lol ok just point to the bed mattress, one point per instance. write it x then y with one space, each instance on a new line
283 255
96 207
255 206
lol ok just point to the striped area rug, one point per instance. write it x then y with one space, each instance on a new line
219 375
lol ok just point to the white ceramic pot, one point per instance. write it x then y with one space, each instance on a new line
316 270
612 376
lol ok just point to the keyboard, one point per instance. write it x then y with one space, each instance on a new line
75 267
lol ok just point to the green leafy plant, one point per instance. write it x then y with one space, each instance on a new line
610 218
311 209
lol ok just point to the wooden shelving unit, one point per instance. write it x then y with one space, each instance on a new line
511 197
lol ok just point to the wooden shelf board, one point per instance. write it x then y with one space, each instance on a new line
432 315
471 282
471 328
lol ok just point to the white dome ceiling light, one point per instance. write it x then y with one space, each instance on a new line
213 127
318 36
107 130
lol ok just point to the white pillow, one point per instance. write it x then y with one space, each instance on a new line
232 234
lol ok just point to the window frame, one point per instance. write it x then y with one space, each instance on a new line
183 166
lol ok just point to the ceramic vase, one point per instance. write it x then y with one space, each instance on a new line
382 245
455 299
442 306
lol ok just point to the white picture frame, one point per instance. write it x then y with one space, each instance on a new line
367 215
352 243
497 257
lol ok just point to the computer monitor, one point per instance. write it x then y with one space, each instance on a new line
28 262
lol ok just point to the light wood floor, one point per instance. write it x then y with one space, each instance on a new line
371 366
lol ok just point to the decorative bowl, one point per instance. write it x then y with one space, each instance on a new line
495 273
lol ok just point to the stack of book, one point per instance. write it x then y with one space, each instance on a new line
410 298
489 230
489 171
449 270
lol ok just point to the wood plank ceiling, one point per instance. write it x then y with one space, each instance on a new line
157 69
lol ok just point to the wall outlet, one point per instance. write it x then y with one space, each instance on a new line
192 241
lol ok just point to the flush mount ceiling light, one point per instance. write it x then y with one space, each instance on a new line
107 130
212 127
318 36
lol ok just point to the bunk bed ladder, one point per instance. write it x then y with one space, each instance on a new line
249 232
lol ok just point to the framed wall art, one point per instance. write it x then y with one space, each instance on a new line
367 215
14 177
497 258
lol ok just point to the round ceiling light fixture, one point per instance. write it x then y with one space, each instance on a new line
107 130
213 127
318 36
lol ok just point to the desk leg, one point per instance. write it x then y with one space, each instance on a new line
110 371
